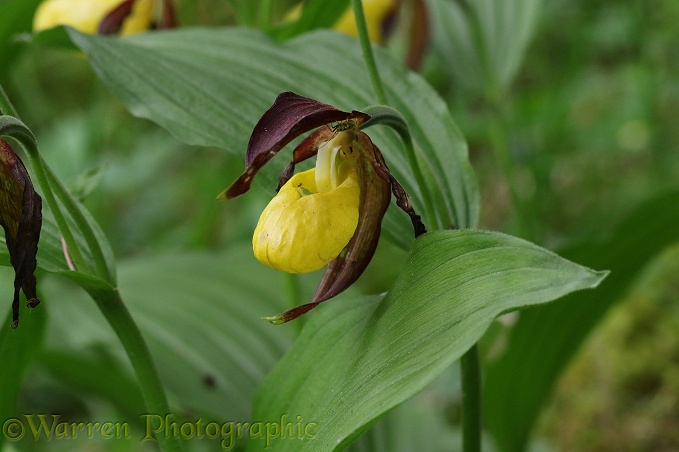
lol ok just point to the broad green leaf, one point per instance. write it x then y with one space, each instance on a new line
92 374
419 423
546 337
200 315
482 42
209 88
356 359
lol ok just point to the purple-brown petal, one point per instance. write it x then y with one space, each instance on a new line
169 18
290 116
113 21
348 266
21 219
381 168
418 36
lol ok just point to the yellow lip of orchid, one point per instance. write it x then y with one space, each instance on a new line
314 215
331 214
124 17
302 230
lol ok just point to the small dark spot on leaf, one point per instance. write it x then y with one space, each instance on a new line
209 381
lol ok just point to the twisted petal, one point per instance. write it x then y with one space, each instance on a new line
133 16
380 166
301 231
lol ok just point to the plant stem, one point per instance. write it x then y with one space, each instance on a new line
265 14
112 307
108 301
497 132
293 290
6 107
471 400
368 56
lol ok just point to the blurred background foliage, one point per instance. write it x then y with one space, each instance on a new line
581 133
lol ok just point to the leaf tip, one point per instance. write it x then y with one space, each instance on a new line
599 276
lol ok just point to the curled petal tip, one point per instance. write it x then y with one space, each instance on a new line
291 314
275 320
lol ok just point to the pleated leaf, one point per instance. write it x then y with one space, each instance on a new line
356 359
482 42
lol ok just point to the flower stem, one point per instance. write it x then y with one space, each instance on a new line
368 56
471 400
112 307
265 14
293 290
6 107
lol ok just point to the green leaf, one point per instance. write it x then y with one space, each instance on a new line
98 376
482 42
209 88
546 337
200 315
419 423
16 17
52 37
356 359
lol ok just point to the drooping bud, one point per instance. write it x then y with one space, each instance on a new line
21 219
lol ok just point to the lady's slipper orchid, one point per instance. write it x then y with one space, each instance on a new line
105 16
330 214
382 19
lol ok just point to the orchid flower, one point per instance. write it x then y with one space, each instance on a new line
105 16
329 215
